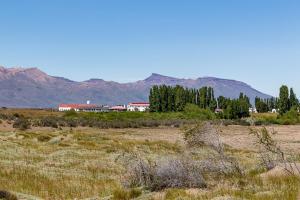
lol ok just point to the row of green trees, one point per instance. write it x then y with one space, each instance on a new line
287 100
174 99
169 99
235 108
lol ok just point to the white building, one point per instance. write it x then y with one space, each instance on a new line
138 106
118 108
252 110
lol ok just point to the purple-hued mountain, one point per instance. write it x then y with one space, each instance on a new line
32 88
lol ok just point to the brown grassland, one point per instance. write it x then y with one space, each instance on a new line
88 163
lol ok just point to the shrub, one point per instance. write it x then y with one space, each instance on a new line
170 173
22 124
289 118
134 193
120 194
271 154
7 195
7 116
72 123
49 122
192 111
203 134
71 113
17 115
206 135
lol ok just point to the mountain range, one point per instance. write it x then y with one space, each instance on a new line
33 88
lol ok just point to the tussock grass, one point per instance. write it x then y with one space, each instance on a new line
123 194
84 163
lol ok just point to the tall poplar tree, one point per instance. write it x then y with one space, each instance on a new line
294 102
283 103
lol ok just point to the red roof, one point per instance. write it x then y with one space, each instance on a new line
139 104
78 106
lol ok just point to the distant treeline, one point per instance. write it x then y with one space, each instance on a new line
287 101
166 98
174 99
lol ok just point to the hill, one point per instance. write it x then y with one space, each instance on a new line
33 88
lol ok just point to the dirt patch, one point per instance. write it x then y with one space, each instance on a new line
238 137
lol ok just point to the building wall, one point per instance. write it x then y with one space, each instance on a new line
137 108
64 108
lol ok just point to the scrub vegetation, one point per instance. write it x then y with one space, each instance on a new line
197 160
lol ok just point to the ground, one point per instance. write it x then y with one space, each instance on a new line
87 163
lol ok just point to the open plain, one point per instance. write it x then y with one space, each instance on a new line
90 163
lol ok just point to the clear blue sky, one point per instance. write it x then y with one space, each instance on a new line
255 41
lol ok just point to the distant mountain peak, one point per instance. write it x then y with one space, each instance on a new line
158 77
32 73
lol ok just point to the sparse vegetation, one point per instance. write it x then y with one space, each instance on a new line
196 161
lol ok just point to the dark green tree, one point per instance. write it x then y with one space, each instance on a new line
154 99
261 105
294 102
171 99
179 98
283 103
203 97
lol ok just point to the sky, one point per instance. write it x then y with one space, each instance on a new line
254 41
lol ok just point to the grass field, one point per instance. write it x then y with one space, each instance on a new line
88 163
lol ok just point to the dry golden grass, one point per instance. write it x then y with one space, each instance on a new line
31 113
85 163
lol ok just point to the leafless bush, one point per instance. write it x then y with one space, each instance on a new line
203 134
206 135
179 173
271 154
216 165
140 173
170 173
183 171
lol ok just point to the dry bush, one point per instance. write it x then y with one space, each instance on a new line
271 154
169 173
179 173
206 135
184 171
49 122
7 195
203 134
22 124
